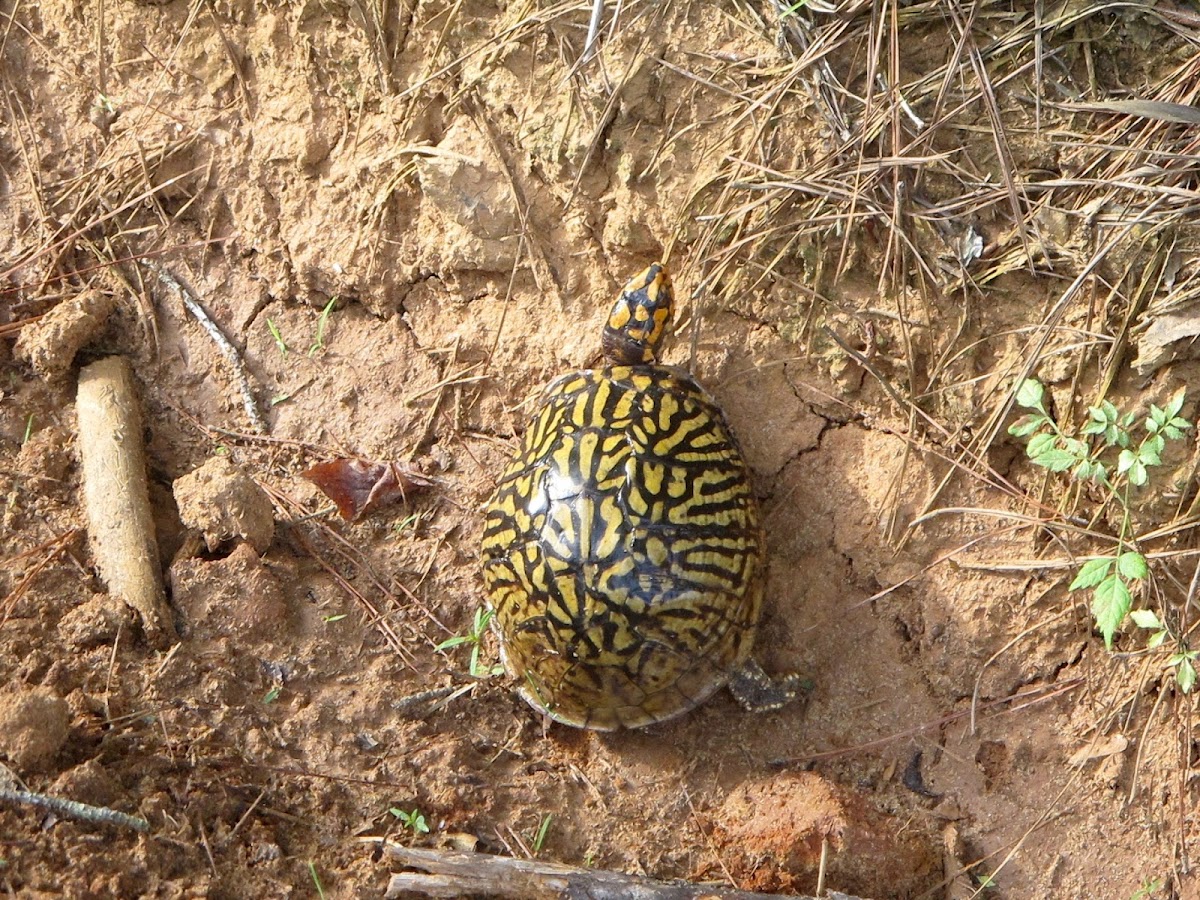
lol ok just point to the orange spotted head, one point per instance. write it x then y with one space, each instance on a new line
640 318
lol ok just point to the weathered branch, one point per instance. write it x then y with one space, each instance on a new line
453 873
116 493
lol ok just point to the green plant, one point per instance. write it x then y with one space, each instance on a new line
539 839
987 882
414 821
277 335
475 638
322 323
312 870
412 520
1149 888
1108 453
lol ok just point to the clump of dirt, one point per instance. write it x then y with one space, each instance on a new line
51 344
773 833
233 596
222 503
34 725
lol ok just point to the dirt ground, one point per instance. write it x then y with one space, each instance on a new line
408 215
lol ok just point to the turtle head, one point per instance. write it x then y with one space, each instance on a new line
640 318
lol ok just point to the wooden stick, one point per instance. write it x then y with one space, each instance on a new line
116 495
453 873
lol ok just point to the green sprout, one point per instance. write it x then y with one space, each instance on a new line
539 839
475 638
414 821
322 323
312 870
278 336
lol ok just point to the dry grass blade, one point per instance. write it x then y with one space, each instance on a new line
49 551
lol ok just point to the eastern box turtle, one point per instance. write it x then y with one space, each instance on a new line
623 555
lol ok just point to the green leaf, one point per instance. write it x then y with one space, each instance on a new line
1030 394
1175 404
1110 605
1150 452
1055 459
1132 565
453 642
1185 676
1076 447
1091 573
1156 639
1027 425
1085 470
1125 461
482 617
1138 475
1040 443
1172 433
1145 618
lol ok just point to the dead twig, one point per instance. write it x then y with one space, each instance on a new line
192 303
99 815
453 873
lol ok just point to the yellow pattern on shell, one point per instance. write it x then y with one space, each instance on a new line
623 554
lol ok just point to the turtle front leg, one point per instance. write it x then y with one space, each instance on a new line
759 692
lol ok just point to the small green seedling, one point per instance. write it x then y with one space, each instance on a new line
539 839
322 323
1109 433
278 336
312 870
329 620
414 821
1149 888
272 695
412 520
28 430
987 882
475 639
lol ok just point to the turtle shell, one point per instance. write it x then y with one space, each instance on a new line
623 555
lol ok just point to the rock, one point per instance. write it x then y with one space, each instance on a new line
33 727
223 503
